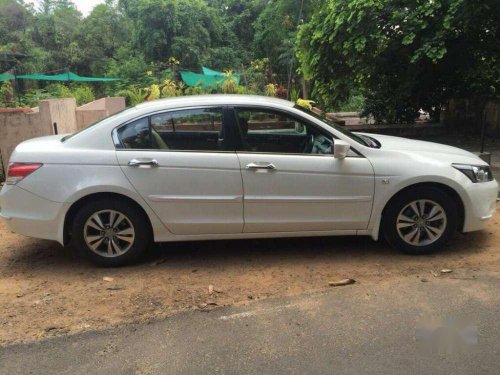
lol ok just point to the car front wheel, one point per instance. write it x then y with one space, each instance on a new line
420 220
111 232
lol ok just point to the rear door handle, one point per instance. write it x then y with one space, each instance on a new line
140 161
260 165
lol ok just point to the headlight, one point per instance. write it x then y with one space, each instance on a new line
476 173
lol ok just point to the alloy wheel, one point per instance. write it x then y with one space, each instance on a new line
109 233
421 222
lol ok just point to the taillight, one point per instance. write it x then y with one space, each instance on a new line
18 171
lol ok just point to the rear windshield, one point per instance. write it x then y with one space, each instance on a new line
65 138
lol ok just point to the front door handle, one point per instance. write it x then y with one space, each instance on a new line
260 165
140 161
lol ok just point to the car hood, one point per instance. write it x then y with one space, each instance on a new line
454 154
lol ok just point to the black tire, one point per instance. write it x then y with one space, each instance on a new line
402 200
134 215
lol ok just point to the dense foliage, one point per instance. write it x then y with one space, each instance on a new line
402 55
390 57
147 42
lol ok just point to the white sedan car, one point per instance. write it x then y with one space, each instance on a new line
226 167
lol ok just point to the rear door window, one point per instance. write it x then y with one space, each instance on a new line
190 129
196 129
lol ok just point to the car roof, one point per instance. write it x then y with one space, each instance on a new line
215 99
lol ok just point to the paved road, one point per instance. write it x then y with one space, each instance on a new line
359 328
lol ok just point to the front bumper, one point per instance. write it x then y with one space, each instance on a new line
480 205
30 215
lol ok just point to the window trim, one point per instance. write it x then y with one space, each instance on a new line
239 149
224 110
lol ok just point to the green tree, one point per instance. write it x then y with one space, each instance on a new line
186 29
130 66
101 34
14 20
402 55
45 6
238 29
276 31
57 34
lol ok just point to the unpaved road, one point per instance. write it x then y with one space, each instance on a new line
374 328
46 291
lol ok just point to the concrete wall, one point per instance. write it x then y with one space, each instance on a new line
426 130
89 113
86 117
115 104
60 112
349 118
20 124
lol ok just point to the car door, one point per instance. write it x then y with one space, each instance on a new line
181 164
291 180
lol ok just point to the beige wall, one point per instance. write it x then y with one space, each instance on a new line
89 116
19 125
89 113
115 104
60 112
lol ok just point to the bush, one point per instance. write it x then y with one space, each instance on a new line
82 93
270 89
6 93
169 88
32 98
133 95
355 103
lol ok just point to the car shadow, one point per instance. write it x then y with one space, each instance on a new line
298 248
31 255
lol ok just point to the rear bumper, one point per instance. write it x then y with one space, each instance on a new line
481 205
30 215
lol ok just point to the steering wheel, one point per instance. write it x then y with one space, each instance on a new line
309 144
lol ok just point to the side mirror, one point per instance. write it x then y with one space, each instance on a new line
340 149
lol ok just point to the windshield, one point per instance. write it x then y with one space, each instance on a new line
329 122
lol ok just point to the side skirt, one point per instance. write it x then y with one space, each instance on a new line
233 236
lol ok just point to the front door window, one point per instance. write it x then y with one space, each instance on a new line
277 132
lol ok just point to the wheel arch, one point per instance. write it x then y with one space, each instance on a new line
78 204
457 199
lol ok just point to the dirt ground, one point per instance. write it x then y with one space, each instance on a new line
45 290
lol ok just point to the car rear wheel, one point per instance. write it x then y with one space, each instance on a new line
420 220
111 232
